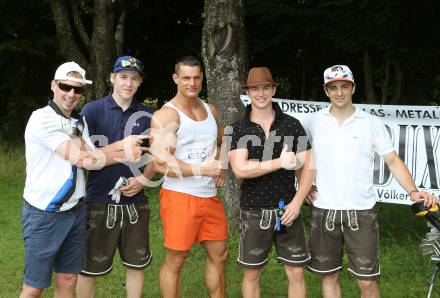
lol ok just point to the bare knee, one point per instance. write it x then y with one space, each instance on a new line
294 274
66 281
217 251
175 260
367 286
251 275
30 292
331 279
219 257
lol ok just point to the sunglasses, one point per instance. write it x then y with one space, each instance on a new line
131 63
67 88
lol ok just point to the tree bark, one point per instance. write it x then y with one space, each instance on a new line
94 50
65 32
386 81
368 77
397 82
103 46
224 54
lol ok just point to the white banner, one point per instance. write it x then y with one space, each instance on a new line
415 132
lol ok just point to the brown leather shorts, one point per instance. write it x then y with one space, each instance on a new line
358 230
257 235
111 226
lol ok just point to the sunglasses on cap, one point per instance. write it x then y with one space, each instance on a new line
131 63
67 88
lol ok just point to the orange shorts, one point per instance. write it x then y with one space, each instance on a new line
188 219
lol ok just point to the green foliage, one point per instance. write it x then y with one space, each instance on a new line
28 48
404 271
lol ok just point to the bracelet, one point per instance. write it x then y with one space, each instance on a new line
412 191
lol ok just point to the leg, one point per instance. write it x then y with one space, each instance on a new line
369 288
364 245
30 292
134 283
293 263
85 287
101 243
250 286
330 286
297 283
65 284
215 275
256 233
326 249
134 246
169 276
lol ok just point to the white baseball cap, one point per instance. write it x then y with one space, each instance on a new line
65 68
338 73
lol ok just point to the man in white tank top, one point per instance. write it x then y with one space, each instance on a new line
186 137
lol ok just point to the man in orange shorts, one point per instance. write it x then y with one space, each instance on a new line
186 135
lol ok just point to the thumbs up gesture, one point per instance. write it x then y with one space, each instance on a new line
288 159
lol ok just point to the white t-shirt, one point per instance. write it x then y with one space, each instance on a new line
48 175
344 156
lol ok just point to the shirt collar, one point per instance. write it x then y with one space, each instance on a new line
357 113
275 106
113 105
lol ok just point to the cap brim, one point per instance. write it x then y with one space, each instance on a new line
128 69
338 79
82 81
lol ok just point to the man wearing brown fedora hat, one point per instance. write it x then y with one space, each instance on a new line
268 148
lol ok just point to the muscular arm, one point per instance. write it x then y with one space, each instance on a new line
244 168
305 177
127 150
80 154
222 150
164 126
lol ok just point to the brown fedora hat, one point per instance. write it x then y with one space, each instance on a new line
259 76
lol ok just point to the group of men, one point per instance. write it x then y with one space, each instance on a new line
70 227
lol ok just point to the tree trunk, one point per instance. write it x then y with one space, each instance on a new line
397 82
94 51
65 32
368 77
103 45
225 57
386 81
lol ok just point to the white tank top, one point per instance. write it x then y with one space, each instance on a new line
196 144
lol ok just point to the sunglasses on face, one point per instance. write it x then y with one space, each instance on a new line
67 88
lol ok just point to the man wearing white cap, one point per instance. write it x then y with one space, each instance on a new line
53 216
344 141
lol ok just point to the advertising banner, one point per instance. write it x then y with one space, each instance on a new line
415 132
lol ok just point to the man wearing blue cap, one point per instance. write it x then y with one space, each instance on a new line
344 141
116 208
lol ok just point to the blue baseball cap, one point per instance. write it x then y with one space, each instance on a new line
128 63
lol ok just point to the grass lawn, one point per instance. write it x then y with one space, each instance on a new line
405 273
